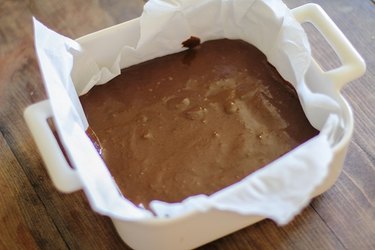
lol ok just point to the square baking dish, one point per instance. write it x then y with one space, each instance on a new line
197 228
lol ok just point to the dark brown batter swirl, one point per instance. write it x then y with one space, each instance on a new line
194 122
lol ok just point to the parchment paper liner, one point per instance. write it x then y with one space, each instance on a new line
278 191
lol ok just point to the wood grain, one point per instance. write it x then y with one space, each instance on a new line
24 215
34 215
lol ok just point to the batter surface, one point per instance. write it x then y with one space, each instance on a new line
194 122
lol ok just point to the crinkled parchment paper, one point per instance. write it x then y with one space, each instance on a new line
278 191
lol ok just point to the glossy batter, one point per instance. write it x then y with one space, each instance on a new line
194 122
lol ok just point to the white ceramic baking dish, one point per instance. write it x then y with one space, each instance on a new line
197 228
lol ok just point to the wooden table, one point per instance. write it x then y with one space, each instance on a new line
34 215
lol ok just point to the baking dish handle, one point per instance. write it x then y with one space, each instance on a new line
353 66
63 176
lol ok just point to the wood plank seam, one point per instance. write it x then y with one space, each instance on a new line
364 150
327 225
364 193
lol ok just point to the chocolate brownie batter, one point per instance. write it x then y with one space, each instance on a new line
194 122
